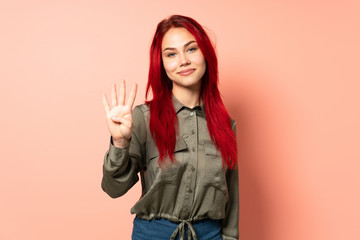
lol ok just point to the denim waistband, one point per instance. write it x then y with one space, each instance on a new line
160 228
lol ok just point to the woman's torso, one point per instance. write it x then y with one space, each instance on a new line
191 188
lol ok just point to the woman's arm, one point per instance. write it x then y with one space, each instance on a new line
121 165
230 225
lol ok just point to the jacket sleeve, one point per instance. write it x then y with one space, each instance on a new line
230 225
122 165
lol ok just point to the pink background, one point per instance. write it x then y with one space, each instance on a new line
289 75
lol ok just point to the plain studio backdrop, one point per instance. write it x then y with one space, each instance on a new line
289 76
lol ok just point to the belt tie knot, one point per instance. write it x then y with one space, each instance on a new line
180 230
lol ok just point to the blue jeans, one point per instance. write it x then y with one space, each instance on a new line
162 229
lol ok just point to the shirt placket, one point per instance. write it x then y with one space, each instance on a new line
192 141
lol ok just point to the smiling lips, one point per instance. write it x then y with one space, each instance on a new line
186 72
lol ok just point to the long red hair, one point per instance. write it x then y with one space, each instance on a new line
163 119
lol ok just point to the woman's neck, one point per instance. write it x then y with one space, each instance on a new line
188 97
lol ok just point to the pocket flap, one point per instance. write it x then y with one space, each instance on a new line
152 150
180 144
210 149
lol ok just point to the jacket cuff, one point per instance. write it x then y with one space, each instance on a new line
228 238
116 157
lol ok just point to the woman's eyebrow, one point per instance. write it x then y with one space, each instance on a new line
185 45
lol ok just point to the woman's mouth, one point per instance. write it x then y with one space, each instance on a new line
186 72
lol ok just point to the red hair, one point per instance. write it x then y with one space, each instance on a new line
163 119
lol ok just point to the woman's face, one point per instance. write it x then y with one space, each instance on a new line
183 60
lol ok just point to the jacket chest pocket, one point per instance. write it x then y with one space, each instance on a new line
214 170
169 172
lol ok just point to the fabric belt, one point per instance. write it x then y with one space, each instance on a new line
180 230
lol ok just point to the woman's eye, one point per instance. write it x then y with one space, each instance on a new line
192 49
170 54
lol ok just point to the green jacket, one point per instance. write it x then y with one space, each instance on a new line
195 187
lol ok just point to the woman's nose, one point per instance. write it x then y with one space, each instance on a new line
184 60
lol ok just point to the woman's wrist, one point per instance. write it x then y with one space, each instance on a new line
121 143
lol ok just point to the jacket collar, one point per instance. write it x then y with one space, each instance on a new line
178 105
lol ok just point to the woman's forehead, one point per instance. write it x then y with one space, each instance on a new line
177 37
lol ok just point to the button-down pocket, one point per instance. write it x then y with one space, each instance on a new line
168 172
215 172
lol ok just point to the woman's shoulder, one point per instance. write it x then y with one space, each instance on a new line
233 124
140 114
142 107
140 122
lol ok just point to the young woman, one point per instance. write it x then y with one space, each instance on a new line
182 142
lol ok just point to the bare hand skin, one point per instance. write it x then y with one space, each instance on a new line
118 117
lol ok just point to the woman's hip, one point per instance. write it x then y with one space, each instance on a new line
163 229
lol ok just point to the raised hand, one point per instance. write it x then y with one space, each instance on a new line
118 117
